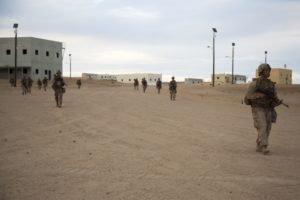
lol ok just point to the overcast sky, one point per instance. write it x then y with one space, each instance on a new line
162 36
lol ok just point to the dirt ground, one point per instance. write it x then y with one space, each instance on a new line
111 142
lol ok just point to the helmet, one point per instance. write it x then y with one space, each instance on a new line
172 77
262 68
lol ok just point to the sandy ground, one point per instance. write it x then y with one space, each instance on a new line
111 142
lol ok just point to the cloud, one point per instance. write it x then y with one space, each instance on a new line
130 12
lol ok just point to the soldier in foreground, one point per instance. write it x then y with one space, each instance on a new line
262 98
78 82
158 85
58 87
45 83
144 83
173 89
39 83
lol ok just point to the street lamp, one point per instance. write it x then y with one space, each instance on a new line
214 35
232 69
15 26
70 65
266 52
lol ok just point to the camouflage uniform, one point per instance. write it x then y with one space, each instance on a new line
58 87
30 81
25 85
136 84
144 83
173 89
158 85
262 97
45 83
78 82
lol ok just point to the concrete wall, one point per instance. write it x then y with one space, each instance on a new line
38 58
192 81
222 79
281 76
128 78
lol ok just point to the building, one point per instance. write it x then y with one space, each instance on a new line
36 58
223 79
128 78
281 76
192 81
98 76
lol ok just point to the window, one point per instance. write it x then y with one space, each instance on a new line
46 72
36 52
57 55
47 53
122 80
150 79
155 79
218 77
8 52
24 51
10 71
129 79
24 71
36 71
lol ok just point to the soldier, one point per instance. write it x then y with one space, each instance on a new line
39 83
58 87
158 85
30 81
262 97
136 84
144 83
45 83
12 82
78 82
24 83
173 89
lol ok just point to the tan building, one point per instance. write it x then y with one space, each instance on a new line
222 79
281 76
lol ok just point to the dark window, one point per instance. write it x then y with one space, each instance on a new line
122 80
36 71
57 55
217 77
24 71
47 53
129 79
46 72
24 51
36 52
150 79
8 52
193 82
11 71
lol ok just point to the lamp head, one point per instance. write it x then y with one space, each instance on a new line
214 30
15 25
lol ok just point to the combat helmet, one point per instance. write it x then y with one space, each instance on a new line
262 68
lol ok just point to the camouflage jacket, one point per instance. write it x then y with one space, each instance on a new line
58 83
262 93
173 85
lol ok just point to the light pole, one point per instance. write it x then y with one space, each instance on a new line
266 52
232 68
214 35
70 65
15 26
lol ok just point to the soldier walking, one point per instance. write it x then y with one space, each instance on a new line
136 84
30 81
173 89
158 85
58 87
24 84
262 97
45 83
78 82
144 83
39 83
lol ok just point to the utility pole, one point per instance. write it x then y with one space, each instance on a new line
232 69
213 76
70 65
15 26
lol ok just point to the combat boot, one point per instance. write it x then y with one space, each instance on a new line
265 151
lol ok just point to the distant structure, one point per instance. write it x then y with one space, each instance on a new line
192 81
223 79
36 58
98 76
281 76
124 78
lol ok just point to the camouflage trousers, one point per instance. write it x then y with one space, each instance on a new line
173 95
262 118
58 97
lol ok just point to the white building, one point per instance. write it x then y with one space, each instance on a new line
36 58
128 78
192 81
124 78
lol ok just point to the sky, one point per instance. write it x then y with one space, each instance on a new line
170 37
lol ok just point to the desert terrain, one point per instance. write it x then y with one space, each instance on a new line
110 142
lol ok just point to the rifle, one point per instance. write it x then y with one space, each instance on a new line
286 105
